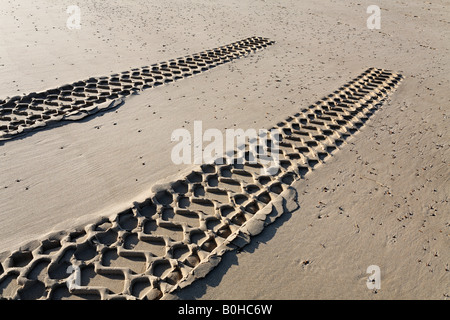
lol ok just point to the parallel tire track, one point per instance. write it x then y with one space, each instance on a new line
179 233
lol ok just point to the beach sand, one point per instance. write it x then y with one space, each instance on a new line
381 199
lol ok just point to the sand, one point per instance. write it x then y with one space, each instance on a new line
381 199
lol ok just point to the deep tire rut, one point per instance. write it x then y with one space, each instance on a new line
179 233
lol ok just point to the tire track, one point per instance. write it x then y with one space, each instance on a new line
179 233
82 98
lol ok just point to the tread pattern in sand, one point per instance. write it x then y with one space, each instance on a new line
82 98
179 233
